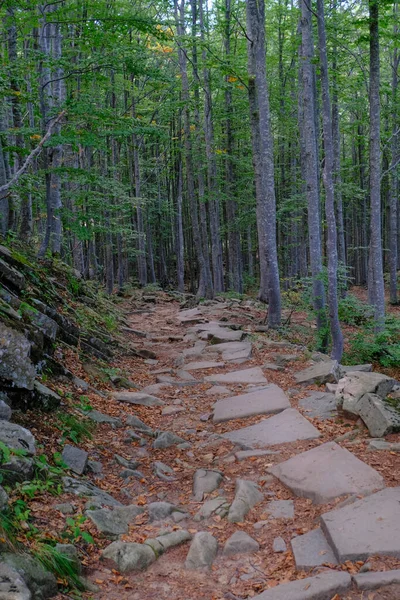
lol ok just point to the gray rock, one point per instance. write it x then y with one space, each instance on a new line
287 426
169 411
70 551
45 324
17 469
327 472
75 458
126 473
113 523
312 550
12 585
246 454
205 482
204 364
279 545
167 439
99 417
381 445
351 539
270 400
128 464
240 543
66 508
44 397
280 509
16 437
320 373
5 409
247 495
254 375
40 582
11 275
379 416
161 510
139 398
3 498
284 359
163 542
219 506
130 556
138 425
353 386
322 405
373 581
163 471
367 368
202 551
15 363
219 335
218 390
320 587
95 466
86 488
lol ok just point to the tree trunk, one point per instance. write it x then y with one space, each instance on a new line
394 178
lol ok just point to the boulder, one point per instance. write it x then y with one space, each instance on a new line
17 438
161 510
205 482
40 582
167 439
247 495
12 585
45 324
75 458
124 462
87 489
139 398
320 373
163 471
130 556
13 277
219 506
240 543
202 551
17 469
5 409
44 397
321 405
113 523
163 542
379 416
15 364
354 385
99 417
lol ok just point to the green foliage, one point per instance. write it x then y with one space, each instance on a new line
74 532
383 347
74 428
354 312
61 565
84 404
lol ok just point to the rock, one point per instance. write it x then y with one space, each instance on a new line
379 416
322 405
99 417
240 543
205 417
321 587
166 439
95 467
130 556
219 506
247 495
351 539
11 275
45 324
202 551
126 473
205 364
353 368
40 582
246 454
75 458
327 472
139 398
279 545
70 551
17 469
5 409
156 388
312 550
113 523
287 426
161 510
44 397
280 509
269 400
163 471
219 335
15 363
3 498
272 367
229 348
185 375
284 359
205 482
320 373
218 390
16 437
353 386
381 445
373 581
128 464
238 356
66 508
86 488
169 411
138 425
331 387
254 375
163 542
12 585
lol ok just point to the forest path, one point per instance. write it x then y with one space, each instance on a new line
237 415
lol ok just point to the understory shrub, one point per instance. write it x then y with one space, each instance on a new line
383 347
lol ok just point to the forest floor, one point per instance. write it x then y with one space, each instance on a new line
240 576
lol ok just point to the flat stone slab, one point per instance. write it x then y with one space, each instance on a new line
140 398
312 550
254 375
246 454
221 334
327 472
280 509
328 371
368 527
205 364
288 426
372 581
321 405
320 587
229 347
218 390
75 458
270 400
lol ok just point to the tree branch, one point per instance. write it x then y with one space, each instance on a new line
32 155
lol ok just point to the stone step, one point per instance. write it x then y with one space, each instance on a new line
287 426
253 375
272 399
327 472
312 550
320 587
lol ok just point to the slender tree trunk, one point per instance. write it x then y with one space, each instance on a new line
394 179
